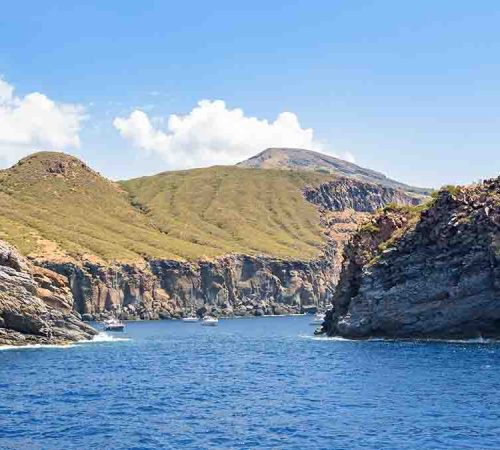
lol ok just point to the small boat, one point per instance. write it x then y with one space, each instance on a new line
114 324
319 318
190 319
210 321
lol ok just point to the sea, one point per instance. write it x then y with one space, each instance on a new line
259 383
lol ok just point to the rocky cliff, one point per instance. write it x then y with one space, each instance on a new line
343 193
35 304
231 285
431 273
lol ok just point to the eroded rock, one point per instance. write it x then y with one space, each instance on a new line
436 275
32 312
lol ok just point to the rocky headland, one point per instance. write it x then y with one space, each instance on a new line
429 272
36 305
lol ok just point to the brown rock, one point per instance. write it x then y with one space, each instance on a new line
26 317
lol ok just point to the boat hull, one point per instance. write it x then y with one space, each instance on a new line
117 328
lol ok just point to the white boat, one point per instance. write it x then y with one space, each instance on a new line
210 321
114 324
190 319
319 318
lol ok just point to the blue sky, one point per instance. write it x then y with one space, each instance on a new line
408 88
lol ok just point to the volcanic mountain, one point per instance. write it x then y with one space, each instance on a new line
300 159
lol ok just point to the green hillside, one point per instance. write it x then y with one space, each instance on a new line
230 209
53 206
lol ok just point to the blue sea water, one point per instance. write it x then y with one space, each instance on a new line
249 383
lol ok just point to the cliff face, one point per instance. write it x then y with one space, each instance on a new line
434 275
232 285
35 304
341 194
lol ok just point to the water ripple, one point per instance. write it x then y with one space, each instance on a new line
261 383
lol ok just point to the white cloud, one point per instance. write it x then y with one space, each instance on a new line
35 122
212 134
6 91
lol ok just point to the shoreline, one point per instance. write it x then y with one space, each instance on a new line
100 337
415 340
103 336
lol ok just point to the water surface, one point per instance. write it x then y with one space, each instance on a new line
249 383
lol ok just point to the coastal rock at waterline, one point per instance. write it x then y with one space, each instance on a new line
434 275
234 285
35 313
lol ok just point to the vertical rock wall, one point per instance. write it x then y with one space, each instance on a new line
439 277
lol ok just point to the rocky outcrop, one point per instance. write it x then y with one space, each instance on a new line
434 274
232 285
344 204
35 304
343 193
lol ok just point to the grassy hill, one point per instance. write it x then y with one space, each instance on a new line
53 206
229 209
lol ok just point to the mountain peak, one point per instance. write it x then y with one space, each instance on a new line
50 164
302 159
